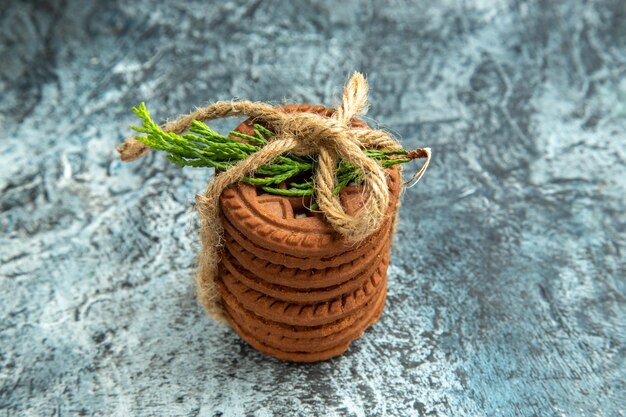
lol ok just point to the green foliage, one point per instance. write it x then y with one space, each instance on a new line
203 147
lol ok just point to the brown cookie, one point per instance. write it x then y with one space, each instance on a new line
294 332
299 356
302 314
337 285
266 335
271 223
284 224
311 262
303 279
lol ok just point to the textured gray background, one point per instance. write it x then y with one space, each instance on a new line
507 293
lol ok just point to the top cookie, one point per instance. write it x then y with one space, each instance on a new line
284 224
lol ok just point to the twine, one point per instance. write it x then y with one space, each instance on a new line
299 133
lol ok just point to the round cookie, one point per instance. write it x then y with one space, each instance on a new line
303 279
336 284
296 356
311 344
291 331
283 224
302 314
311 262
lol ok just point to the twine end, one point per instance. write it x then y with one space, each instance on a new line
417 176
132 149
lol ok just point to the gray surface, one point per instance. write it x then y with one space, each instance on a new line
507 290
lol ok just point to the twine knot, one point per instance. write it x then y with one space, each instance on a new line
311 131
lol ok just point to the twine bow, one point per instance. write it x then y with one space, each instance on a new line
298 133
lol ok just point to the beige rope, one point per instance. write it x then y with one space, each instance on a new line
299 133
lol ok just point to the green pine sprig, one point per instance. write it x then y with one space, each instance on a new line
203 147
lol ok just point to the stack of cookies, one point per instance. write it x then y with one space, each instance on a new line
290 285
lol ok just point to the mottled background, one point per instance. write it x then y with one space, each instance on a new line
507 284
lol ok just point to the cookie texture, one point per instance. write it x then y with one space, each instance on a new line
235 308
298 278
287 293
309 349
302 261
305 314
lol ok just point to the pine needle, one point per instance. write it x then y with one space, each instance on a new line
203 147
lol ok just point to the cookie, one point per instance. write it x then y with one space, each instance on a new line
270 221
298 278
294 332
298 356
303 314
336 284
283 224
267 336
311 262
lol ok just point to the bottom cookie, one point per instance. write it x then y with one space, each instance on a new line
304 356
268 335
